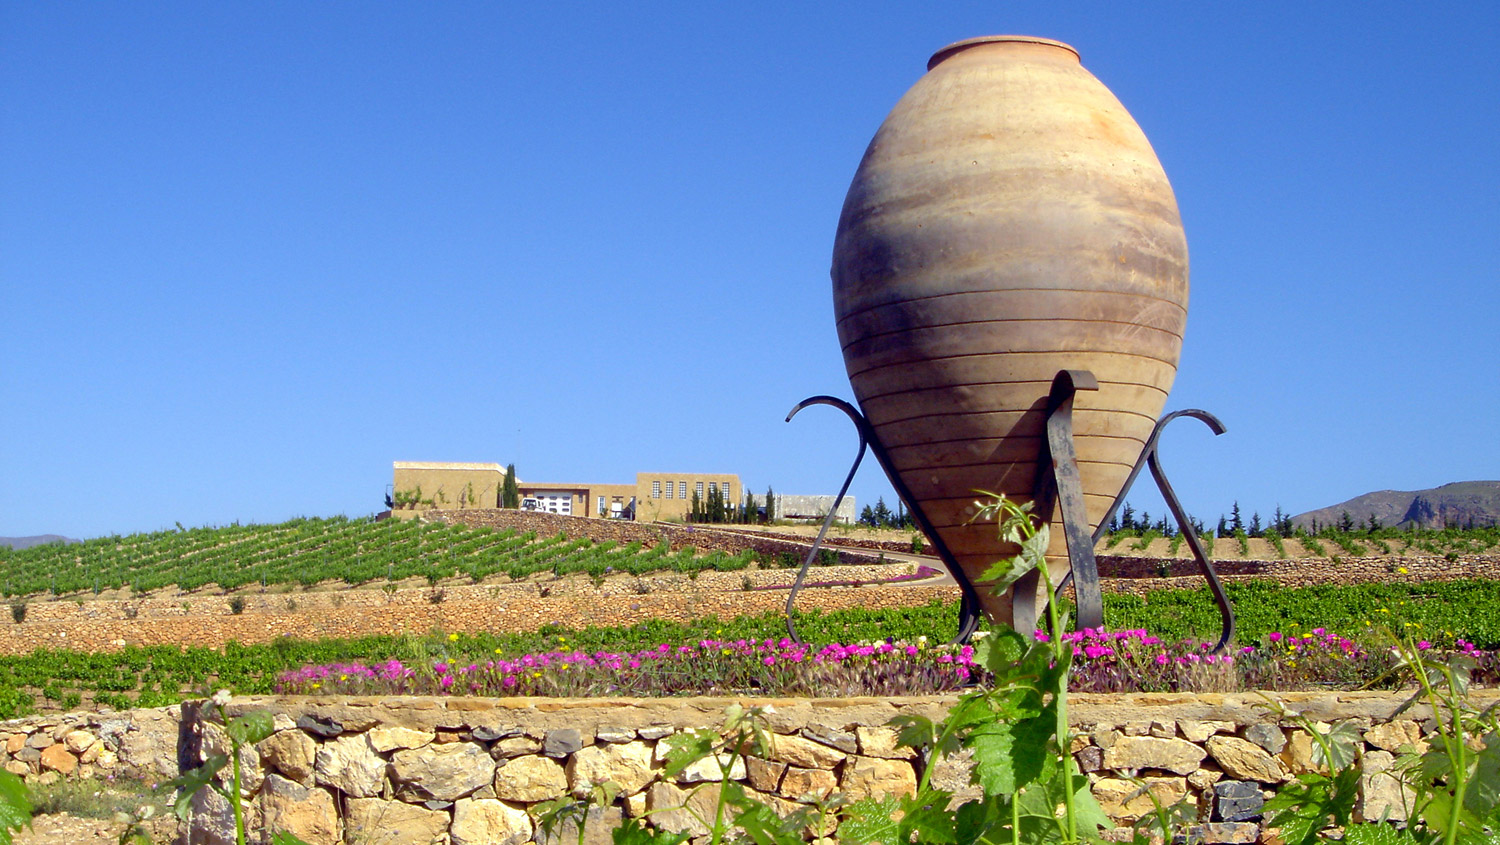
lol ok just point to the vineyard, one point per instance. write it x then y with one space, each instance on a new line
313 551
49 679
1448 543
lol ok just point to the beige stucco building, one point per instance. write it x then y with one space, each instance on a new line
425 485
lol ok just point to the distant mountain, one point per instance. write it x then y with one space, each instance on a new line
1460 503
39 540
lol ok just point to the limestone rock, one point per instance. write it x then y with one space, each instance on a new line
1237 801
444 772
627 764
14 743
79 741
679 810
373 821
881 742
1163 728
515 746
1382 795
485 821
394 738
562 742
91 753
57 758
872 776
764 775
293 753
1125 801
1393 736
1267 736
1230 833
39 740
954 773
1106 737
1244 760
1089 759
845 741
307 812
797 751
1150 752
712 769
350 765
1204 779
530 779
614 735
216 741
1298 754
598 829
212 819
17 767
798 782
150 743
1198 731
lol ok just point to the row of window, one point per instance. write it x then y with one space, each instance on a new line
681 488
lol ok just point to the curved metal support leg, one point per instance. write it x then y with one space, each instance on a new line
1150 456
812 553
1226 610
969 613
1063 482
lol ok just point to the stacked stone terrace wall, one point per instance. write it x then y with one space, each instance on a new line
464 770
209 619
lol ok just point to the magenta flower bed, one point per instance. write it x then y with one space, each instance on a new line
708 667
1108 662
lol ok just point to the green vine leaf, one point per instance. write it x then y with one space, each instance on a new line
1011 755
868 821
15 805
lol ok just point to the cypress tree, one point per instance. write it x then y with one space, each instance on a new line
510 497
770 505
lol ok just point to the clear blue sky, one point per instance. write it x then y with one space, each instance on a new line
250 254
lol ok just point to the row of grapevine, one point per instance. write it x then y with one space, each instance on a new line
310 551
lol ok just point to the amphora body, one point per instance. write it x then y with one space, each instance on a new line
1008 220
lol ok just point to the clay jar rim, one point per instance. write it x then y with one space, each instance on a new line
967 43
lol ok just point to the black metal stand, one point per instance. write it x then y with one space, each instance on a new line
1057 487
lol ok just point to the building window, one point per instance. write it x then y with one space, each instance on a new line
700 491
682 489
669 489
601 506
713 486
656 489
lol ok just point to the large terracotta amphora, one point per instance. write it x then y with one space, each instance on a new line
1009 220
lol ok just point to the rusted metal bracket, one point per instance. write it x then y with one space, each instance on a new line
968 610
1151 457
1058 487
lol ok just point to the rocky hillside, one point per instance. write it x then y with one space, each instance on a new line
1461 504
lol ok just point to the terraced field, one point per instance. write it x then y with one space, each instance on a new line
312 551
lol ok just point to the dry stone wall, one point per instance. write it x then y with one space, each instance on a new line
210 620
466 770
